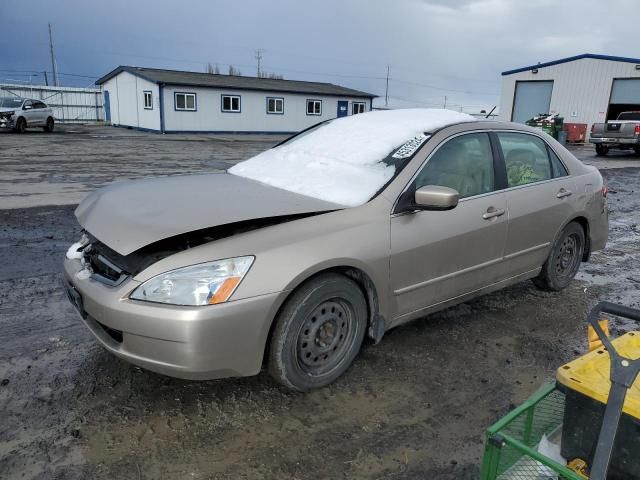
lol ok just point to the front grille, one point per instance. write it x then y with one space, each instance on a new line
112 332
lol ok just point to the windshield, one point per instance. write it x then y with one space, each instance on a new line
349 159
11 102
629 116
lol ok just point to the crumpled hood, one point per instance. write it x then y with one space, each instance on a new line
129 215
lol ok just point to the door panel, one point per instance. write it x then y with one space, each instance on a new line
107 106
538 203
343 108
531 98
437 255
535 216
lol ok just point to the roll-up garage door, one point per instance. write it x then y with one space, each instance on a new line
531 98
625 96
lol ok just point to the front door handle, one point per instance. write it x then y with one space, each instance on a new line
493 212
563 193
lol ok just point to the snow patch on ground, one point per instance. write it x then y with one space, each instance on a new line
341 162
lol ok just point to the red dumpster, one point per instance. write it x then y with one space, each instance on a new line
576 132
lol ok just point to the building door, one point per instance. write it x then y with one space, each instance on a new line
531 98
343 108
625 97
107 106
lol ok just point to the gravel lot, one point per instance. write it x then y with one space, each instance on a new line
414 406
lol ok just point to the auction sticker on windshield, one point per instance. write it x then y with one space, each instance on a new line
409 148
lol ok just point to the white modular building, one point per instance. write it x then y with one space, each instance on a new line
583 89
168 101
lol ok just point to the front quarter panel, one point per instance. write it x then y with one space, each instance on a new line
289 253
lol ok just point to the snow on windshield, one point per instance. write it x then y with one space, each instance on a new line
341 161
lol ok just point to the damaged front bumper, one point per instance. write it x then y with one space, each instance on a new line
213 341
7 121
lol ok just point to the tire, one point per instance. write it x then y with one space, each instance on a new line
318 332
21 125
49 126
601 150
636 149
563 261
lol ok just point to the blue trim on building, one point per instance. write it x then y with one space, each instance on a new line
267 105
230 132
140 129
239 97
307 107
571 59
161 101
195 102
144 106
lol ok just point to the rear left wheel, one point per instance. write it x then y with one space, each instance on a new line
318 332
564 259
601 150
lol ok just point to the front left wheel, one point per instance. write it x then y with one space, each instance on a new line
318 332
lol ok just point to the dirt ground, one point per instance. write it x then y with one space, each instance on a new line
414 406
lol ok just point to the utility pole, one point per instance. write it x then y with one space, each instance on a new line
46 79
386 92
259 59
53 59
445 102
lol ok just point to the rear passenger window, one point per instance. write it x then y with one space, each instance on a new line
526 158
464 163
557 167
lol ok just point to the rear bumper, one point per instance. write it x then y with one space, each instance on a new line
615 141
215 341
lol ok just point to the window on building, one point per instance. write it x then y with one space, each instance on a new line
148 100
358 107
185 101
314 107
275 105
526 158
231 103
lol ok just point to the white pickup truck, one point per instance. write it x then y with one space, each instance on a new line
622 133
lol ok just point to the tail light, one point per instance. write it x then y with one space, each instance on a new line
604 191
592 125
637 129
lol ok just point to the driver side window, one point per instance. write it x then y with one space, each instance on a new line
464 163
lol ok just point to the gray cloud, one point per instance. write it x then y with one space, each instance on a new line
436 48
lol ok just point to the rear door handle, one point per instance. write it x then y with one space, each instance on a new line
563 193
493 212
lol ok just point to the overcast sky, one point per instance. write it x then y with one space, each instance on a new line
435 48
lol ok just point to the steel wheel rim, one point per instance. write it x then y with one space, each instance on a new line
325 337
567 259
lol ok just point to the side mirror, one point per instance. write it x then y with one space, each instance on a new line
27 107
434 197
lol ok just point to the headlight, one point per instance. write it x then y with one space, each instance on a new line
202 284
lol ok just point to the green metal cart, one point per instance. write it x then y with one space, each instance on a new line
511 445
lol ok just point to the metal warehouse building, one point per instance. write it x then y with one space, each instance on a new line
585 89
174 101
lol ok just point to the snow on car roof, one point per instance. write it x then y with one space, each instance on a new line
342 160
